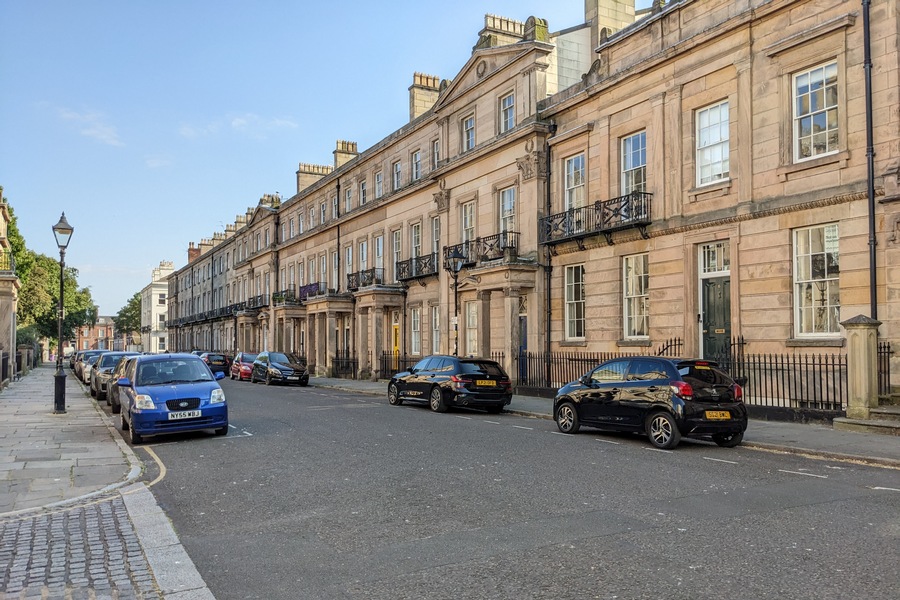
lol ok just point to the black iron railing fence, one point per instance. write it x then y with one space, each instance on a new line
365 278
799 381
420 266
345 364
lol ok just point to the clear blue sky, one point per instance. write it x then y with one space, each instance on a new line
152 124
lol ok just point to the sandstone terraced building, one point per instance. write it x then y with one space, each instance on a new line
699 171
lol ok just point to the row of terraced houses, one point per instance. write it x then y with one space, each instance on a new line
700 171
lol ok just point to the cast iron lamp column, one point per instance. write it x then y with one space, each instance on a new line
454 264
63 233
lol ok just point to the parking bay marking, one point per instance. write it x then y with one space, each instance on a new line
806 474
731 462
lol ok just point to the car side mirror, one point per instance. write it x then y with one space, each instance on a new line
124 382
741 381
220 375
585 380
412 370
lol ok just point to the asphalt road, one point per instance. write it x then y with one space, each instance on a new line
323 494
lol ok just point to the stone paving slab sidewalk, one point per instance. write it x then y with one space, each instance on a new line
74 520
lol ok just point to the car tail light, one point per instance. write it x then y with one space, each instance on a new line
506 383
681 389
458 382
738 393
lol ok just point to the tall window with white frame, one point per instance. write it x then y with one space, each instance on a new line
634 163
293 232
436 235
348 199
396 176
636 301
348 258
713 145
817 292
379 185
416 165
574 310
415 246
334 207
300 222
363 255
415 325
507 112
379 252
507 212
435 329
574 192
435 154
323 271
396 248
468 221
362 193
471 314
322 214
468 133
335 269
816 128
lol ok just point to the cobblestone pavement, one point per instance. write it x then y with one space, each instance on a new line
88 551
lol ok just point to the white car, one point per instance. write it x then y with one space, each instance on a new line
88 369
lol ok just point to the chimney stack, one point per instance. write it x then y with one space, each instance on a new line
423 93
344 153
308 174
193 253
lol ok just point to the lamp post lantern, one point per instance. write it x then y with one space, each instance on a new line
62 231
454 263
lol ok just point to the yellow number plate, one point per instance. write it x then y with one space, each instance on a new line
718 415
487 382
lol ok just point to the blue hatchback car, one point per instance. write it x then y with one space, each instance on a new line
170 393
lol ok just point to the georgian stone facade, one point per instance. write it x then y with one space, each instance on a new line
705 177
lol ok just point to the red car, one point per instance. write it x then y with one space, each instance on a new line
242 365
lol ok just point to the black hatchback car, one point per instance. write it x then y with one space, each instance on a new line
666 398
444 381
279 367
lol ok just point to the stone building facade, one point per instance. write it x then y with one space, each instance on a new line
99 336
697 171
154 309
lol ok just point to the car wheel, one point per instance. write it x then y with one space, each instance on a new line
567 418
133 437
268 379
221 430
436 400
662 430
123 424
116 408
93 392
394 398
304 383
231 376
252 378
728 440
101 395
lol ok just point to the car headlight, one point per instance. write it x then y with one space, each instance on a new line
144 402
217 397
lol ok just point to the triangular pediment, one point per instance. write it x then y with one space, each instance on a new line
485 63
259 213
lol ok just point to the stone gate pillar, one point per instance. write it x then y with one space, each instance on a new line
862 365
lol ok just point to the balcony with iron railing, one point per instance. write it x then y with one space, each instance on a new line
310 289
631 211
483 249
287 296
7 262
419 266
365 278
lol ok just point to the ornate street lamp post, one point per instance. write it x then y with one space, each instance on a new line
63 233
454 263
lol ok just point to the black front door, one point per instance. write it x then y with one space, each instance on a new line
716 317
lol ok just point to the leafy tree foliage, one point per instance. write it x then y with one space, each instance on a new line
39 294
128 319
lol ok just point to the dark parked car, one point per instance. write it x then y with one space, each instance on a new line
102 372
216 362
666 398
112 396
242 365
279 367
444 381
170 393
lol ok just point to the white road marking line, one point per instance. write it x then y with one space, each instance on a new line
659 450
561 433
730 462
463 417
492 422
609 442
807 474
520 427
886 489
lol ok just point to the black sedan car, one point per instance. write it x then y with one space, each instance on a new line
665 398
279 367
444 381
216 362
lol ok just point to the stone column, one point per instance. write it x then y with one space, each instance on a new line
377 336
511 326
331 335
744 150
484 324
362 343
862 365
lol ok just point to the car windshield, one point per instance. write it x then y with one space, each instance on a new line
162 372
485 367
109 360
92 359
279 357
248 358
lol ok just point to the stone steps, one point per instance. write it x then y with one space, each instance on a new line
883 420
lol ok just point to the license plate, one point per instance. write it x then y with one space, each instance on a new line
293 378
218 362
718 415
184 414
485 382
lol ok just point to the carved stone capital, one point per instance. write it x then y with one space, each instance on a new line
531 165
442 200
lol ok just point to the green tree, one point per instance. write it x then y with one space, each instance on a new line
128 319
23 256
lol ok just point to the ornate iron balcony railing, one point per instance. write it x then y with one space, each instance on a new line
603 217
420 266
365 278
